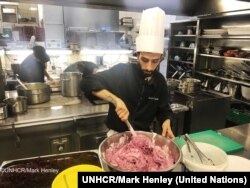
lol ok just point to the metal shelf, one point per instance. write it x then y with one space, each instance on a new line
223 57
224 37
191 36
183 48
225 79
186 62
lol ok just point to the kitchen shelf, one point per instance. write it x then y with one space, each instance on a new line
224 79
223 57
181 36
224 37
185 62
189 36
183 48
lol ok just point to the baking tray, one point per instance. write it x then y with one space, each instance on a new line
41 171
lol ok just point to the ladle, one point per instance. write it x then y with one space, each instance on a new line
22 84
130 128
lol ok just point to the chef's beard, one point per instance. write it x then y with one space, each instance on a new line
146 73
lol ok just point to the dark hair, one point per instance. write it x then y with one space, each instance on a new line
41 54
86 67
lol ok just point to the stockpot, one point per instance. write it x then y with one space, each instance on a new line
36 93
70 84
16 105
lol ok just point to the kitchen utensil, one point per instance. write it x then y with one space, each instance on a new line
158 140
70 84
130 128
21 83
212 137
245 92
189 85
192 162
203 158
36 93
218 87
16 105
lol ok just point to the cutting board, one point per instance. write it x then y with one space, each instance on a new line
214 138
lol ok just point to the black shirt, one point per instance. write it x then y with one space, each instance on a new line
32 69
145 100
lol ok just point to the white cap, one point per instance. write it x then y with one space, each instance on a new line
151 33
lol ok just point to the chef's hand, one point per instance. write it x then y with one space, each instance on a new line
121 109
166 129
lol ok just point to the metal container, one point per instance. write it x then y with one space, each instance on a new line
159 140
17 105
36 93
245 92
3 111
70 82
189 85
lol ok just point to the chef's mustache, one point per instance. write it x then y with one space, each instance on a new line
148 73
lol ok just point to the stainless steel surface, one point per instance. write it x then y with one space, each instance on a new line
240 134
3 111
36 93
16 105
56 114
158 140
70 84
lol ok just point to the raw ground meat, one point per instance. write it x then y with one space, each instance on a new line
138 153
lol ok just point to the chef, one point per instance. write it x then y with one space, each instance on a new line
136 92
33 68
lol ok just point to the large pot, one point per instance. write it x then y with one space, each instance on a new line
36 93
159 140
70 82
17 105
189 85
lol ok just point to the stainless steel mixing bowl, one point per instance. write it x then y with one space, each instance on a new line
159 141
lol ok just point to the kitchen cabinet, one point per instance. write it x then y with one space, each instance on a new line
91 132
181 48
21 142
222 60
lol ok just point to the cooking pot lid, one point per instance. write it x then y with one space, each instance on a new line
68 177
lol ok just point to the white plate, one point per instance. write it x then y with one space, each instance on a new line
236 163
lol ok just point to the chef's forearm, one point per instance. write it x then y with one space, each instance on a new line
106 95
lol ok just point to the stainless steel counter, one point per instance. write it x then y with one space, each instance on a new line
240 134
55 113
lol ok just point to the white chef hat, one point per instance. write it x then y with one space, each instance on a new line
151 33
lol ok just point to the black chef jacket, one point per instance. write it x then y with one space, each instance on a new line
32 69
145 100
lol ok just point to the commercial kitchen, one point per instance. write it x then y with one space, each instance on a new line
206 66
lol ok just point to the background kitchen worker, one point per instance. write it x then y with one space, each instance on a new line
34 67
84 67
137 92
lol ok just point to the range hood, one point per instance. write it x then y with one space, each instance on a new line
171 7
